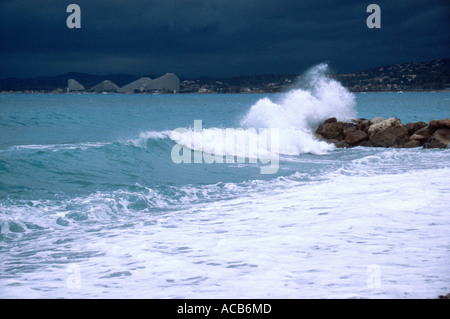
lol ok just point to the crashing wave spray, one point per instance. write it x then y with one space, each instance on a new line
300 111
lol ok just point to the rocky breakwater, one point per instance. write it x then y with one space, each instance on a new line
381 132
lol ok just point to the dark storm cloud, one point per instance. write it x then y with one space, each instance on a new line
216 38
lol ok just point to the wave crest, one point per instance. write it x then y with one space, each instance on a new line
301 110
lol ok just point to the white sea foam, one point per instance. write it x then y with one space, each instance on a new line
147 135
57 147
300 110
268 242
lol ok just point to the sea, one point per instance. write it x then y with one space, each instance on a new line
120 196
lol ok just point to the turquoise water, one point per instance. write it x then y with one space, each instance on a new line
93 206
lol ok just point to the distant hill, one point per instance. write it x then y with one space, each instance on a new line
414 76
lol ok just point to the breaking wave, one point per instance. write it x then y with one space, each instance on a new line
300 111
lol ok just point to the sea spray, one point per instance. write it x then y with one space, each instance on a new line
300 110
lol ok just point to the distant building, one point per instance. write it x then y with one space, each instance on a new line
136 86
105 86
74 86
169 82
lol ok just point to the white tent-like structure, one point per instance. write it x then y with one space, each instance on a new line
105 86
169 82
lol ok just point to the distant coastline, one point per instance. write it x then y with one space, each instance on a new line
407 77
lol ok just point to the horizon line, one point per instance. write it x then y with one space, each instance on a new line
210 77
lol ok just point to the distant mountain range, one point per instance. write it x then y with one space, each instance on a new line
415 76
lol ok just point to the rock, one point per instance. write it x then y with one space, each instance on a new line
414 127
355 137
348 128
358 121
410 127
382 125
376 120
388 133
363 126
364 143
331 130
331 120
421 135
339 143
412 144
439 139
437 124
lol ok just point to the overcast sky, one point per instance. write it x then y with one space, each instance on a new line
217 38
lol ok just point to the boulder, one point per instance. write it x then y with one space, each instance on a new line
437 124
348 128
388 133
365 142
358 121
414 127
439 139
382 125
410 127
421 135
412 143
355 137
339 143
363 125
331 130
376 120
